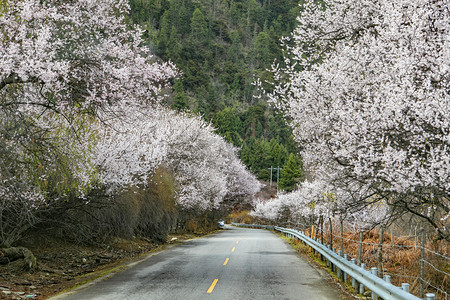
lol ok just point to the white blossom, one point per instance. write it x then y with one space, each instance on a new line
366 84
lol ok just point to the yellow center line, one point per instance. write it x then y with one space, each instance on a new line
226 261
234 248
212 286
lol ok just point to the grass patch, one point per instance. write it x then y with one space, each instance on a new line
93 276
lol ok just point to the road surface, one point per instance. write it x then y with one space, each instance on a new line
233 264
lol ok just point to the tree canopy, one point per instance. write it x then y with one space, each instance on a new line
365 85
82 119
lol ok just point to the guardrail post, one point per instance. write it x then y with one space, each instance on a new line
430 296
353 279
387 278
345 274
405 287
374 272
361 286
333 266
328 261
339 272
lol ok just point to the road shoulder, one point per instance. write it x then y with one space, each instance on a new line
319 266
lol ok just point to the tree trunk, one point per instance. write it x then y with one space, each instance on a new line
8 255
331 234
380 252
359 258
342 234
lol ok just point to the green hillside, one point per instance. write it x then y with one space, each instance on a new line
221 47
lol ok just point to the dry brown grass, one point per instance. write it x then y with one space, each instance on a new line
242 217
401 259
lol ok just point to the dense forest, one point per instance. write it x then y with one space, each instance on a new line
221 47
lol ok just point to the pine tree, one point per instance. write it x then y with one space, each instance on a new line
180 99
228 125
261 50
279 154
173 47
164 35
291 173
260 158
199 26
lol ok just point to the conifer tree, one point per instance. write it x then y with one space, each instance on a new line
174 49
180 99
199 26
291 173
279 154
163 34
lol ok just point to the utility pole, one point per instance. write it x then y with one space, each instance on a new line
278 176
271 169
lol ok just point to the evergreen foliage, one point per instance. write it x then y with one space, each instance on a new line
291 173
221 47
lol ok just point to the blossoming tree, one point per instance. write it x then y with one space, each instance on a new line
80 112
205 166
366 84
62 64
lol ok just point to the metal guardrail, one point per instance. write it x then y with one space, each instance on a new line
369 279
268 227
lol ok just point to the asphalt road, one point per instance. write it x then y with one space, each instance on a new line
234 264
